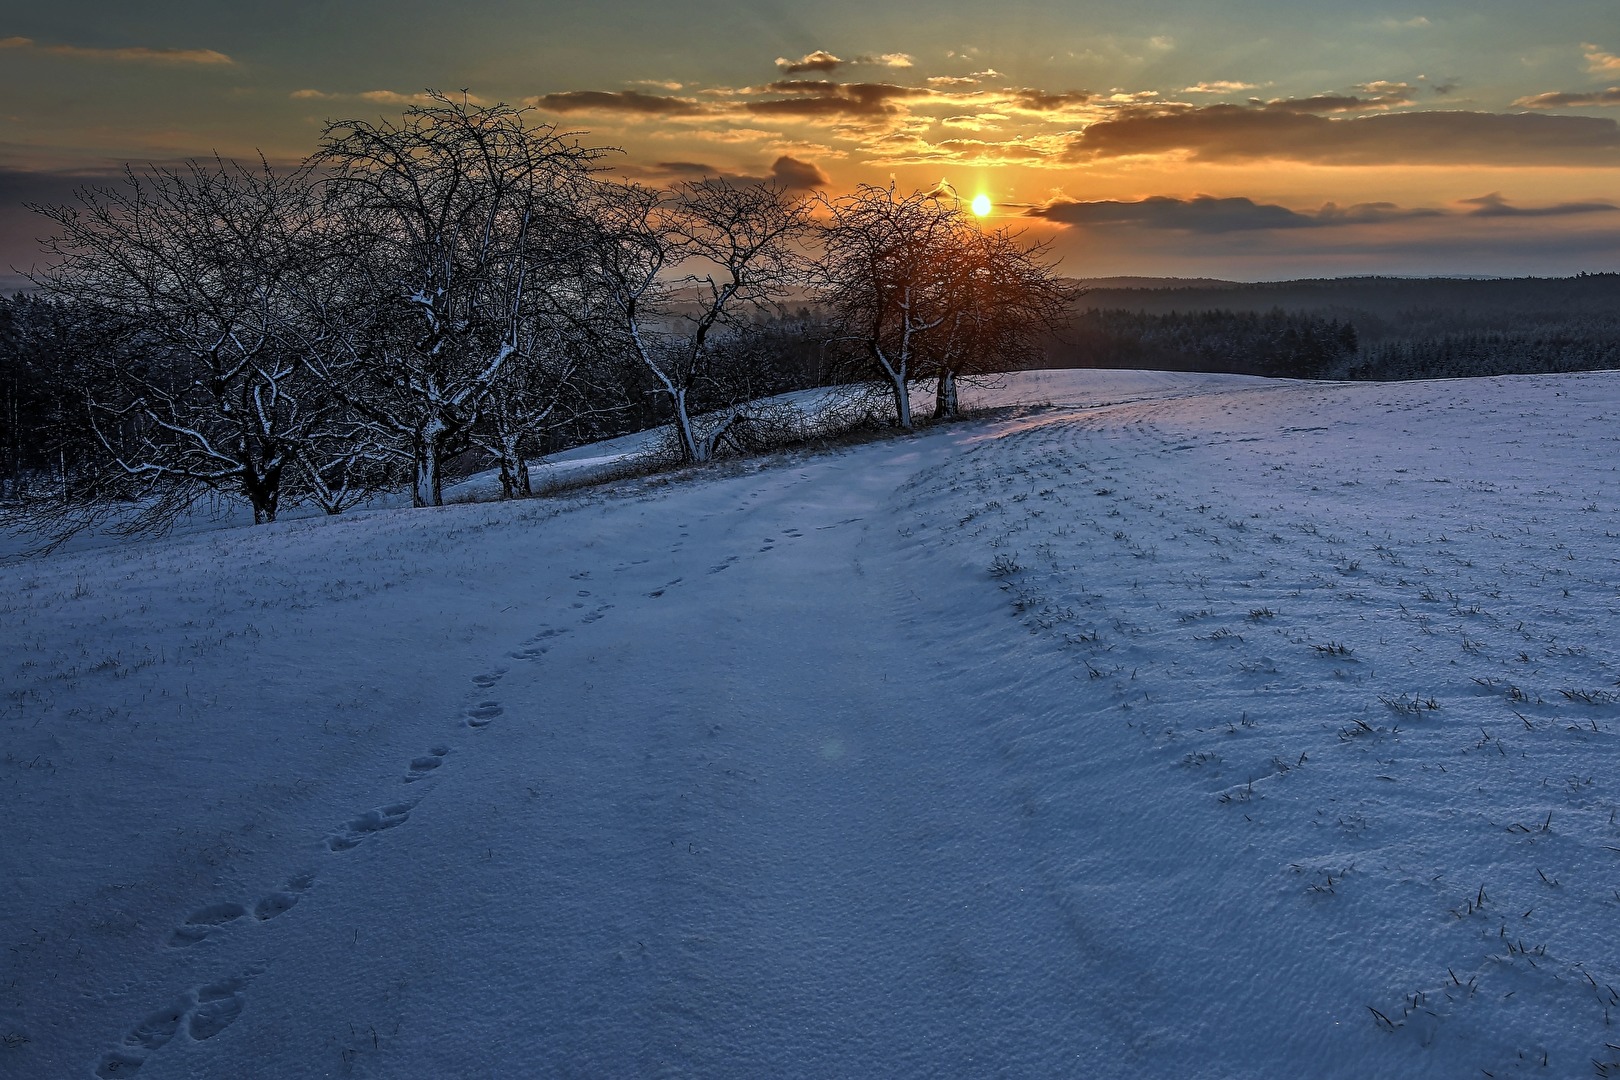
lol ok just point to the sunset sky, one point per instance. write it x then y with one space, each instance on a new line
1251 139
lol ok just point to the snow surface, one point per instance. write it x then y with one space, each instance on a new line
1162 725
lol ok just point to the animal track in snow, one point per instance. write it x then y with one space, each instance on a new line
488 678
665 586
215 917
533 652
218 1006
372 821
421 766
204 1013
118 1063
204 921
159 1028
281 901
597 614
717 567
483 713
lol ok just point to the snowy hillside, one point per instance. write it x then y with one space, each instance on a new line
1156 725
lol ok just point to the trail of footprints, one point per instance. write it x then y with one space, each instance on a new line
208 920
205 1011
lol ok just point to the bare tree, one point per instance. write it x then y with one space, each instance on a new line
559 394
199 390
681 274
885 279
461 217
1002 298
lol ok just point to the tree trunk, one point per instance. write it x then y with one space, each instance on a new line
431 439
692 451
902 401
514 469
945 405
263 491
427 488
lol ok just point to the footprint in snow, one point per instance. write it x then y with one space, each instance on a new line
488 678
425 764
203 1012
157 1029
719 566
372 821
209 920
276 904
218 1006
482 713
204 921
665 587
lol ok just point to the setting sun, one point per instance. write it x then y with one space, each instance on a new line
981 205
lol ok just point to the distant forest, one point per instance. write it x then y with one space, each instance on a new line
1350 328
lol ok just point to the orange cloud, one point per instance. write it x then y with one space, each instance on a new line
128 53
1220 86
1598 61
820 60
380 97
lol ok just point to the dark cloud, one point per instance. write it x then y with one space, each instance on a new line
787 172
686 168
796 175
838 99
1041 101
1611 96
804 86
621 101
1207 214
1494 205
1334 103
1222 133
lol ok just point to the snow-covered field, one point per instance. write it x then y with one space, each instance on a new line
1164 725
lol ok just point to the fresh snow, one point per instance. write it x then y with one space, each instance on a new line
1151 725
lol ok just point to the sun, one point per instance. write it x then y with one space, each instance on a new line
981 205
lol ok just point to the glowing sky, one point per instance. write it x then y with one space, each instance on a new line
1247 139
